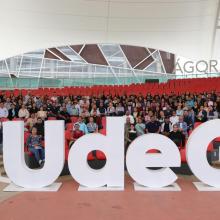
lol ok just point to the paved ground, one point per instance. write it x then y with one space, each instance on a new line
68 203
5 195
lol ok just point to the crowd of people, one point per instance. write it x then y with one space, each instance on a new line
171 115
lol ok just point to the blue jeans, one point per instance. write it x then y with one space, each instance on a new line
39 154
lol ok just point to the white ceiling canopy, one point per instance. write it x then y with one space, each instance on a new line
189 28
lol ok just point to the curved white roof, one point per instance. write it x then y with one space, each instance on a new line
184 27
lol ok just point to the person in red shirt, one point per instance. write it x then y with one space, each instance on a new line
76 134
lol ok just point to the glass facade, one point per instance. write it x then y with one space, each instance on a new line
86 65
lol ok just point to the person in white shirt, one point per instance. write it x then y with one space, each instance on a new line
174 119
210 103
111 109
212 114
42 113
8 103
23 112
128 115
3 111
27 97
54 98
95 110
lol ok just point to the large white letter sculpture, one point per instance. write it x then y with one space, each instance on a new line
112 174
138 160
13 151
196 150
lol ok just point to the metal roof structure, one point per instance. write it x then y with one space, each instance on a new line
89 61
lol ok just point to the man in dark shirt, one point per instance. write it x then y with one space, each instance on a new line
64 115
52 110
102 109
168 111
40 127
12 112
177 136
33 109
166 127
153 126
49 106
188 120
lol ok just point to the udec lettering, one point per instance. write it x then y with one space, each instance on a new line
112 144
